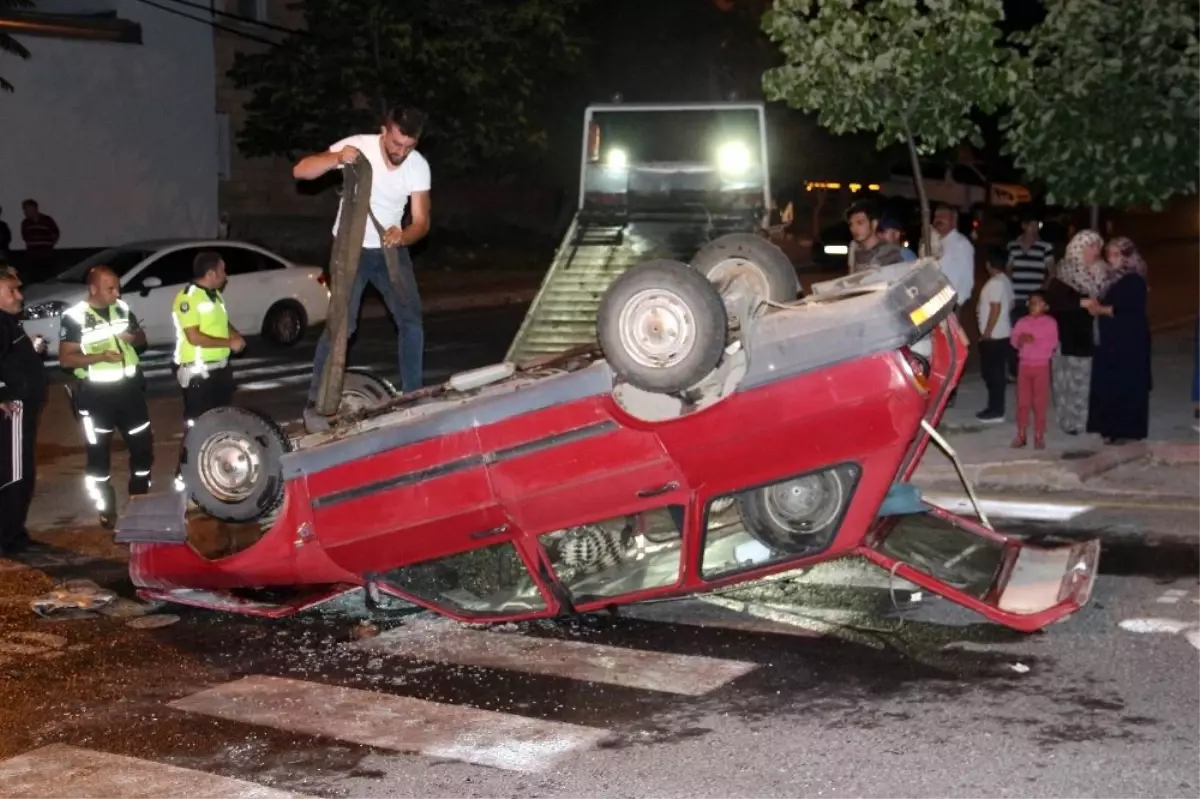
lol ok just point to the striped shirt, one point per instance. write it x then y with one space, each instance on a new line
1028 267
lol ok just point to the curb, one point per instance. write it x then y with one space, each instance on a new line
1059 475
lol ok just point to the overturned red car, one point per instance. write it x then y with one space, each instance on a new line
720 431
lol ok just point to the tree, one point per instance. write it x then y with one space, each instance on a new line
474 65
1112 113
9 45
912 72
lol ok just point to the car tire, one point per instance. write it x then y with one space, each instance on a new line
224 442
662 326
285 323
362 390
793 517
741 263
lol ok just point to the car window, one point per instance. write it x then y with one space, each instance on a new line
119 259
617 556
173 269
238 260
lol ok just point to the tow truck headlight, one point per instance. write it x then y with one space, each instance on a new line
45 310
733 158
617 158
837 249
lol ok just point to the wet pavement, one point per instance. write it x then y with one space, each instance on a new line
858 688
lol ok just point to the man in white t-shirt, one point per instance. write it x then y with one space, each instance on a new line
995 326
399 174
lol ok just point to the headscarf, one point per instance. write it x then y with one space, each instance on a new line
1086 278
1130 262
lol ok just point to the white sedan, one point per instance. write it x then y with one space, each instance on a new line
266 294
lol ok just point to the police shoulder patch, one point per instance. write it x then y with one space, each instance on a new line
183 306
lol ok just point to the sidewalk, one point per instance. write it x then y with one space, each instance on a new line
1079 462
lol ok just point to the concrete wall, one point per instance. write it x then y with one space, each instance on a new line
115 141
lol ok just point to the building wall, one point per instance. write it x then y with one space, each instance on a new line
258 196
115 141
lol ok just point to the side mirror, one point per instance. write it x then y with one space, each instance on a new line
150 283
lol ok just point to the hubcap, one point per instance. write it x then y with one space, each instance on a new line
657 328
229 466
355 401
805 504
287 325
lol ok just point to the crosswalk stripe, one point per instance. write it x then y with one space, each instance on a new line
447 642
60 770
398 723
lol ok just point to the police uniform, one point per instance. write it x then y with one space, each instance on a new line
203 372
22 383
110 396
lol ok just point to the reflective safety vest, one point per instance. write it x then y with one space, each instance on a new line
197 307
101 335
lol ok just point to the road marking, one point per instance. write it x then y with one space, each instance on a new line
444 641
1011 508
61 770
398 723
1171 597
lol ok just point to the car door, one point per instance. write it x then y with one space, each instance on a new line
249 291
152 304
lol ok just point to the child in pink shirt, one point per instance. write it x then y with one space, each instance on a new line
1035 338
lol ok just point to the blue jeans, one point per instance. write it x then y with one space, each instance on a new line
1196 365
405 311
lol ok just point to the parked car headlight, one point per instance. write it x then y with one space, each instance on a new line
46 310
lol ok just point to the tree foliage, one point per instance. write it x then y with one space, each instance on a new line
474 65
909 71
9 45
1112 114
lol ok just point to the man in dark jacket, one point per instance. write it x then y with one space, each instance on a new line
22 395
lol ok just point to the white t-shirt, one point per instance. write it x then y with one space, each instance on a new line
390 186
998 289
958 264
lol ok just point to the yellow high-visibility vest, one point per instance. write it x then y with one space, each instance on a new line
199 307
102 335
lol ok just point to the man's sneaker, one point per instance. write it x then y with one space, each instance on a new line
313 421
108 521
989 417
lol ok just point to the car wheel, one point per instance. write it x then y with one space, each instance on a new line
361 390
233 464
748 270
662 326
793 517
284 323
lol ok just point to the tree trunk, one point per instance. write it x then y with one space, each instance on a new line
1094 220
926 244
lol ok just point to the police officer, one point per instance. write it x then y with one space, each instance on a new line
100 341
204 339
22 395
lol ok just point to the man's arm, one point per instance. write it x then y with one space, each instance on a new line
420 220
314 166
70 352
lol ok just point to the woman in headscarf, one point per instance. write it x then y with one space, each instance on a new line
1119 407
1077 277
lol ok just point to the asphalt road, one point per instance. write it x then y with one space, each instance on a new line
852 687
837 682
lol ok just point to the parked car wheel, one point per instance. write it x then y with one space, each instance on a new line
748 270
284 323
361 390
793 516
233 464
662 326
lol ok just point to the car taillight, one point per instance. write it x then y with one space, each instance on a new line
916 369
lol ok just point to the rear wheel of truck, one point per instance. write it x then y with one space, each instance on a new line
794 517
747 270
233 464
662 326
